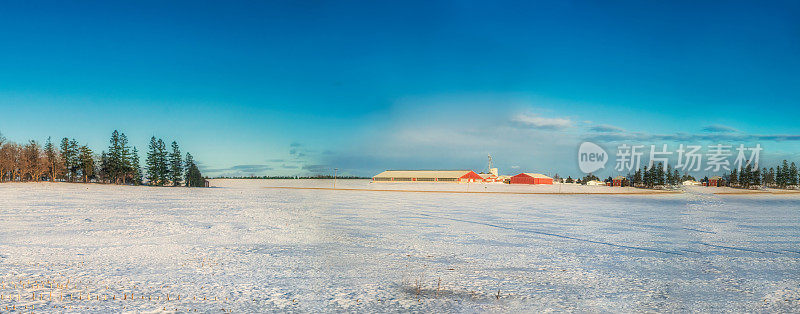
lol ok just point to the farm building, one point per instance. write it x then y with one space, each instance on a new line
619 181
715 181
492 176
595 183
458 176
488 177
531 178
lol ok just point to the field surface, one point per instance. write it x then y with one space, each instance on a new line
241 247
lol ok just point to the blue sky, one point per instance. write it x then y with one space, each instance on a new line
301 87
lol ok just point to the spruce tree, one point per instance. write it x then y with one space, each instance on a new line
126 164
136 169
152 164
104 175
86 163
193 176
54 165
755 177
66 157
793 175
785 175
771 176
744 177
163 163
733 179
176 165
187 164
676 176
75 151
114 157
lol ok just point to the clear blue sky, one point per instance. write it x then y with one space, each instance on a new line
300 87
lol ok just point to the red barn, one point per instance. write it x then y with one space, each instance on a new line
619 181
531 178
458 176
488 177
715 181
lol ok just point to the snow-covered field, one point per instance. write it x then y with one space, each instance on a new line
243 248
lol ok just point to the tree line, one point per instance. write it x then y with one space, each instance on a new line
657 175
646 177
71 161
785 175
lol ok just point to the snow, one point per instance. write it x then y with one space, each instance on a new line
258 249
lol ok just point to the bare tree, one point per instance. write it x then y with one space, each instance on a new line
5 163
10 161
34 165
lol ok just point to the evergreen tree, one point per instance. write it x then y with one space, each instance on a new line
771 176
660 174
744 177
126 162
755 177
114 157
668 174
104 171
136 170
54 165
66 157
176 165
793 175
676 176
119 158
187 164
589 177
733 179
163 163
75 149
69 155
193 176
152 163
637 178
784 175
86 163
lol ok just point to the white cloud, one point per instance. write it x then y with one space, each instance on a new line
537 122
718 128
606 128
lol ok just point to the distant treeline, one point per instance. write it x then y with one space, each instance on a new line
295 177
73 162
784 176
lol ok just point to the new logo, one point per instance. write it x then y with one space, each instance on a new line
591 157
